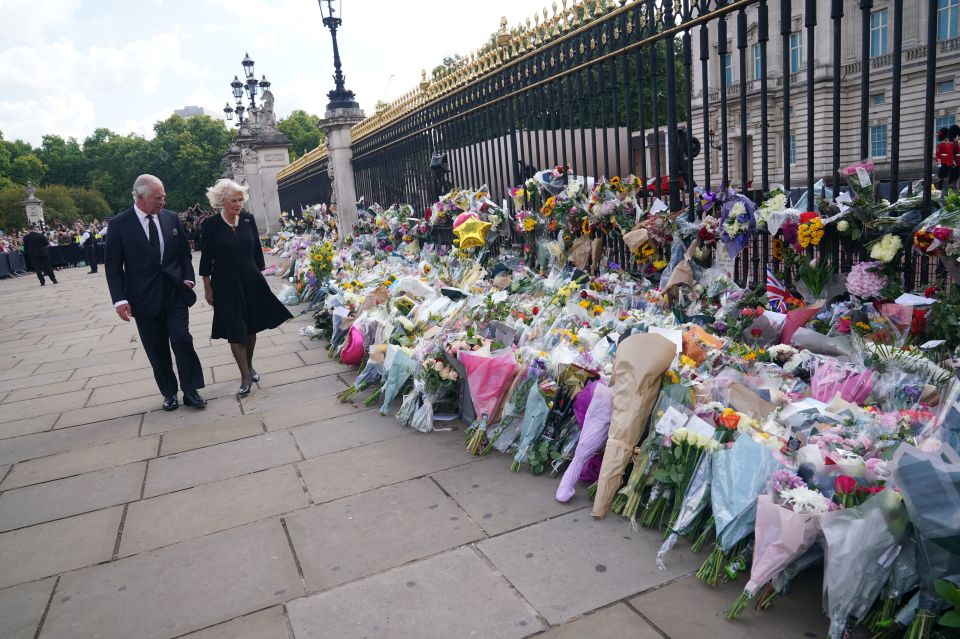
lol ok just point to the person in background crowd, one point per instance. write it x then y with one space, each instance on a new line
150 276
946 158
231 265
88 242
35 245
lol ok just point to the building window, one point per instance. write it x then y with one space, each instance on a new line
948 19
945 122
757 63
878 33
728 68
796 51
878 141
878 98
793 149
946 86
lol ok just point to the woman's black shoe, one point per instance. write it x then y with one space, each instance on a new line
255 377
243 391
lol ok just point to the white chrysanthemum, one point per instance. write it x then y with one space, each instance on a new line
804 500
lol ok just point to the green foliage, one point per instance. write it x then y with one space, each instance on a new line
65 160
58 206
12 213
27 167
951 595
90 204
304 132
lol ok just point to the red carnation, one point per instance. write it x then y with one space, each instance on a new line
808 216
930 291
756 332
427 214
536 310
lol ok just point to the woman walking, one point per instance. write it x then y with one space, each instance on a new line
231 264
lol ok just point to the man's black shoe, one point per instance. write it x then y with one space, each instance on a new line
170 402
192 398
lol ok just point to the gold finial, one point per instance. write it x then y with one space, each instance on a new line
598 8
503 38
611 5
424 83
528 24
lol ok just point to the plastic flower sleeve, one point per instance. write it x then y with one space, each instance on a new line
739 475
534 420
696 499
596 423
930 485
861 545
781 536
488 379
399 371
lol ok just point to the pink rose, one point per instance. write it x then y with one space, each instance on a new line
942 233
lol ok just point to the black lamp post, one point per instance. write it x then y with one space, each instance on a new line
250 85
340 97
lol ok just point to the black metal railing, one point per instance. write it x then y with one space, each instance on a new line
593 88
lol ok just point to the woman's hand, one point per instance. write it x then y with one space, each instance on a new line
208 295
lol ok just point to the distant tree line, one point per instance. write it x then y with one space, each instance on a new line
92 179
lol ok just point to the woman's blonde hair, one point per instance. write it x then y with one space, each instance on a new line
219 191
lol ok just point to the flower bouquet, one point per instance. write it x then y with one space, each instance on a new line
488 379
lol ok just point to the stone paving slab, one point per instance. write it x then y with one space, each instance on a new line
796 616
27 426
217 356
318 372
158 421
349 431
104 412
21 608
219 432
308 412
57 441
457 592
46 390
369 533
58 546
32 408
278 398
499 501
114 378
65 497
604 558
120 358
266 624
166 593
32 381
264 365
616 621
83 460
132 389
205 465
388 462
16 372
172 518
112 368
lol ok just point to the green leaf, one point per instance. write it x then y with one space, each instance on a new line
948 592
855 233
554 455
662 475
950 619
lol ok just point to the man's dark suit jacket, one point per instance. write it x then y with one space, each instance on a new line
35 245
132 272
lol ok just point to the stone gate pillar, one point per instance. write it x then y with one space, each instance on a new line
336 124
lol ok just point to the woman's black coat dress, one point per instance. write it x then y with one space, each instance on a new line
243 303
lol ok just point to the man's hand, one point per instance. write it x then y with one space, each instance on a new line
208 295
188 283
125 312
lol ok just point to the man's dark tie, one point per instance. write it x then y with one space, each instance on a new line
154 236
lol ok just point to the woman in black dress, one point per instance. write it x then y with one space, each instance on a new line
231 264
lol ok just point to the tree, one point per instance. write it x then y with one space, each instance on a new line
449 63
12 213
27 167
304 132
90 204
117 161
66 162
58 206
189 151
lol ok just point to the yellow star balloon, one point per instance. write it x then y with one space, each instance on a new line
472 233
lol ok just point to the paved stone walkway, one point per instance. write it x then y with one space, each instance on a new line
289 514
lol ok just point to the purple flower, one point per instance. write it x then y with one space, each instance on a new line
613 266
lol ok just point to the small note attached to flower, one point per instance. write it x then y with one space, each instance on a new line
863 176
658 205
672 420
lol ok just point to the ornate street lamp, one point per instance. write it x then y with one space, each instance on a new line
228 111
340 97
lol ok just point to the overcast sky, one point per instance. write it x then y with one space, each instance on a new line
70 66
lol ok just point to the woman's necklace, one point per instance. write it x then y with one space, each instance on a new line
233 224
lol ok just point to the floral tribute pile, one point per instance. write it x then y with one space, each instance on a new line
810 421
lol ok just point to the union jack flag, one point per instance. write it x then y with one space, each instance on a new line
776 293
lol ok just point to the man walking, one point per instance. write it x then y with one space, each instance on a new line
35 245
151 278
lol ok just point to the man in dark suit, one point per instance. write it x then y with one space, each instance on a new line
150 276
35 246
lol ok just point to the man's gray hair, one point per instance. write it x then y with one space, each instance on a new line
144 184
